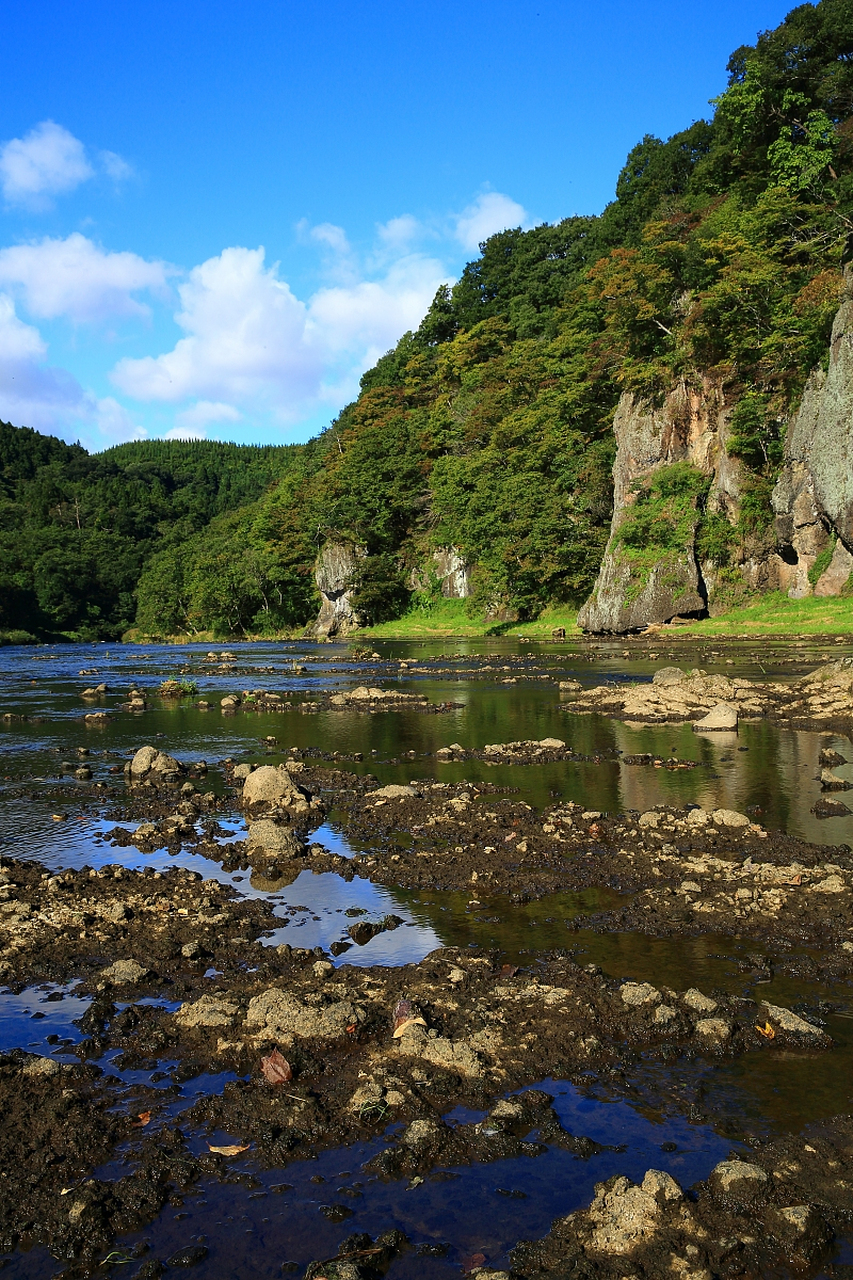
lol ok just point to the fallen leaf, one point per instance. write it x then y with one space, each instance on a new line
766 1031
142 1120
508 970
58 817
276 1069
352 1028
233 1150
797 880
473 1261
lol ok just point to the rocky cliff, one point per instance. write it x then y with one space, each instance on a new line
813 499
639 584
335 573
651 572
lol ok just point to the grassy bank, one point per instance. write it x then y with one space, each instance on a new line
450 618
774 614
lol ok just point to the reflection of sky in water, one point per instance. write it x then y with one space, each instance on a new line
19 1029
327 896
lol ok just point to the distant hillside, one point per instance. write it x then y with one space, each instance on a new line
77 530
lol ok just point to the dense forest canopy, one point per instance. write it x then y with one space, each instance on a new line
489 427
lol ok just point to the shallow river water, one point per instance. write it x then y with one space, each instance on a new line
259 1225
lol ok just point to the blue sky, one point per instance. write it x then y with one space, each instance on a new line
214 217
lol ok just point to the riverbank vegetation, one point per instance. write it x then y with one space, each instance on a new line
489 428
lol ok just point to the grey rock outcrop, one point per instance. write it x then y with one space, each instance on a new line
690 426
452 571
813 499
335 574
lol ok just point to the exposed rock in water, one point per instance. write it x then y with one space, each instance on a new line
721 717
274 839
335 573
274 786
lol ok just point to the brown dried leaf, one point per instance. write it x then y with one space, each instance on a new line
233 1150
276 1069
766 1031
142 1120
473 1261
508 970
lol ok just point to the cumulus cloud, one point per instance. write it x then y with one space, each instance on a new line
49 161
204 413
490 212
77 279
251 344
246 339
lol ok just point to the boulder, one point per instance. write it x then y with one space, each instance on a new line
271 785
394 791
721 717
788 1021
699 1003
124 973
730 818
41 1067
335 573
738 1178
149 760
637 994
207 1011
143 760
669 675
715 1029
285 1018
624 1216
275 839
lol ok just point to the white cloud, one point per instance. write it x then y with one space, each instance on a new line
49 161
111 422
367 318
251 345
44 163
490 212
115 166
186 433
246 340
335 238
398 233
77 279
204 412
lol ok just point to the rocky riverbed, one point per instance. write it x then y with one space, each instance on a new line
211 1053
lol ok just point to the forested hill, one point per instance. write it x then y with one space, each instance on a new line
489 429
76 531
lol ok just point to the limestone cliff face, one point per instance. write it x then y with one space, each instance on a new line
690 426
451 569
813 499
335 573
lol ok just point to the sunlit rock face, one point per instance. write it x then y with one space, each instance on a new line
335 574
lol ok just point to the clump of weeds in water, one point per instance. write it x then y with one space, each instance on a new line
178 689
